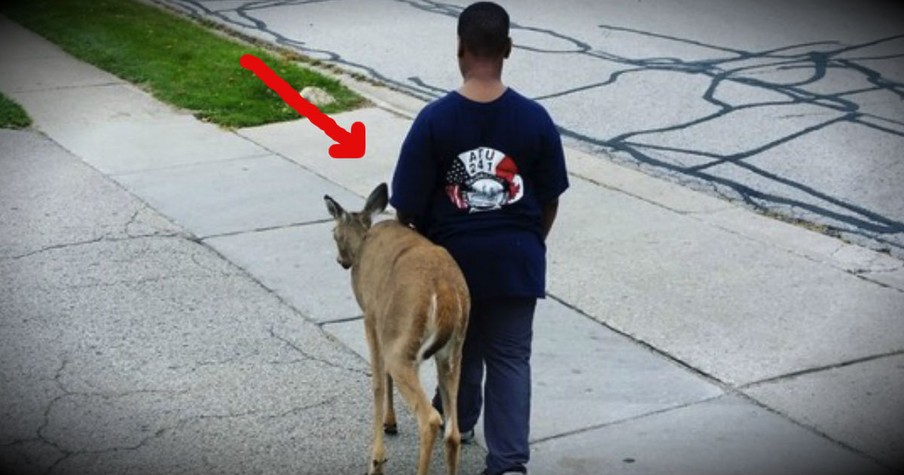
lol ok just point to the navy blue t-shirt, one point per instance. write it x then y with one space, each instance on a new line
475 177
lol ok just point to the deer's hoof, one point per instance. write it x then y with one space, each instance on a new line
391 429
376 467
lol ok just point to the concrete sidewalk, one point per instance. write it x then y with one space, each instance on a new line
171 304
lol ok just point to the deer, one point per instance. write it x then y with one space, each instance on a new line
416 304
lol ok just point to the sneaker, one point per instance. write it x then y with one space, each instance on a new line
503 473
467 436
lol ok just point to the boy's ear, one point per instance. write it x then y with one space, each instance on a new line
508 49
461 49
377 200
335 209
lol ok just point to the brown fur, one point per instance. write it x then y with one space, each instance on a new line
400 279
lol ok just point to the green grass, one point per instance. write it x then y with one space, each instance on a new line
12 116
175 59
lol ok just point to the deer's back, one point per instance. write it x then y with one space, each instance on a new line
395 262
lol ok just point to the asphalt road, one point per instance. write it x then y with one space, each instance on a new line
794 108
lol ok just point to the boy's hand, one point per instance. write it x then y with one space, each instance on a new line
406 219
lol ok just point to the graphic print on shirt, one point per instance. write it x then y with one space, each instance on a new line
483 179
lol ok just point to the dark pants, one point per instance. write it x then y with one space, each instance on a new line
499 339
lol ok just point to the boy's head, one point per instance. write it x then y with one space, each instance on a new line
483 32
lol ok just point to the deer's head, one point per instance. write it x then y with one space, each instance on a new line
351 228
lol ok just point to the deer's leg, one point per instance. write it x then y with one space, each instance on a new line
389 420
448 366
404 373
379 377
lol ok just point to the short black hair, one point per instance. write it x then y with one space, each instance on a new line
483 28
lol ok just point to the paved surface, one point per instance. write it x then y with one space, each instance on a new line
170 303
793 108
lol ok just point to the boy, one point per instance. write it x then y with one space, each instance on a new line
480 173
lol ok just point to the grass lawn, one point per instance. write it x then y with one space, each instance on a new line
12 116
178 61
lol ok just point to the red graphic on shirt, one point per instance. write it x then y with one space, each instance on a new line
507 170
483 179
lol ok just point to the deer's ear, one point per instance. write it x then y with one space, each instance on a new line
334 208
377 200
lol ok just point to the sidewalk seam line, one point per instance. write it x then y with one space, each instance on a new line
813 429
613 188
723 385
279 298
876 282
177 166
298 164
627 419
341 320
820 258
819 369
265 229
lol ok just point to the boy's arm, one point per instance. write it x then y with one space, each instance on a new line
551 177
549 216
414 175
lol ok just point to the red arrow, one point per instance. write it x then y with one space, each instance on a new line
348 144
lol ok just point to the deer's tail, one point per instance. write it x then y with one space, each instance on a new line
444 316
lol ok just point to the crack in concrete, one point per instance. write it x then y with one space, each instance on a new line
185 422
31 460
311 357
67 393
236 360
55 247
104 238
132 221
57 379
67 453
124 282
123 234
133 218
